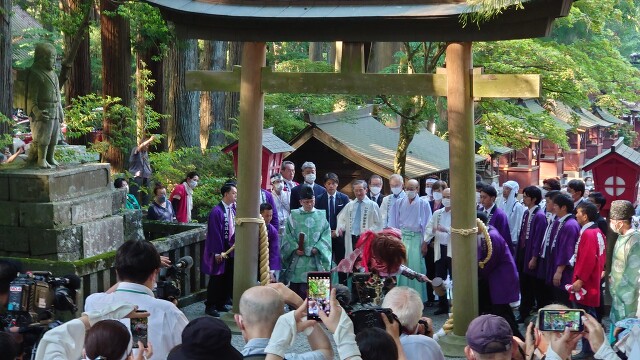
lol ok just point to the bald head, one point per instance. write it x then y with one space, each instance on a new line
412 184
261 306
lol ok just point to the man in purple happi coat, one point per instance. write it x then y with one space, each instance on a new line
266 197
543 254
497 217
266 210
215 261
534 225
564 235
500 274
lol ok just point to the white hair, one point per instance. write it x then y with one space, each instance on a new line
406 304
397 177
308 165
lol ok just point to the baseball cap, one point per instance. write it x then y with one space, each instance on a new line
488 334
204 337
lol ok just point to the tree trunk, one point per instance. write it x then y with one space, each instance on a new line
382 55
182 105
155 66
315 51
233 98
116 75
331 54
400 160
141 102
75 74
6 81
212 104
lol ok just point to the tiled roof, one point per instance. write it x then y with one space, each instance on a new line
362 133
274 143
589 115
21 21
566 114
536 108
620 148
607 116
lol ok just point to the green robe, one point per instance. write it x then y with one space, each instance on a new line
318 235
624 276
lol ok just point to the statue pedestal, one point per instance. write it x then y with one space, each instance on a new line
64 214
453 345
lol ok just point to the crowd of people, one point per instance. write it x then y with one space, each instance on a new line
546 250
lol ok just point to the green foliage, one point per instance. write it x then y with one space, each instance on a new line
484 10
152 118
286 50
502 123
213 167
27 42
85 114
148 28
6 139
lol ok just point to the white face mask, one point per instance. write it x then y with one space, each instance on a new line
411 194
544 192
126 188
375 190
429 191
589 183
396 190
437 195
616 229
193 184
446 202
278 186
310 178
477 197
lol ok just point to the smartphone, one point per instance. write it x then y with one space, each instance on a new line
558 320
139 328
319 294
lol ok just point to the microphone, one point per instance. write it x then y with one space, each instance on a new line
185 263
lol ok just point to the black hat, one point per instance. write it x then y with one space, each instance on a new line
205 338
306 192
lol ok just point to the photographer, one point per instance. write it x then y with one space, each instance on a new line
416 330
137 266
98 333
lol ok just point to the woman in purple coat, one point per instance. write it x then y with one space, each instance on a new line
497 269
217 260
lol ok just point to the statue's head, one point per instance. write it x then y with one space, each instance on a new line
45 56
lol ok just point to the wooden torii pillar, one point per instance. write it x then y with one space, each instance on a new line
460 85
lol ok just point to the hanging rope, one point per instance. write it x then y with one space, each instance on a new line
487 239
263 265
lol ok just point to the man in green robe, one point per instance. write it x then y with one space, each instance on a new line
311 254
625 270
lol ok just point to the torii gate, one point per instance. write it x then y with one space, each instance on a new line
357 21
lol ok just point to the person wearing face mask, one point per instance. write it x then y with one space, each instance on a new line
281 199
428 188
266 197
160 209
436 193
411 215
132 202
309 174
624 278
479 186
575 189
182 197
396 182
438 232
513 209
375 189
313 252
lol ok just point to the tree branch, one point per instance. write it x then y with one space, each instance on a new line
81 32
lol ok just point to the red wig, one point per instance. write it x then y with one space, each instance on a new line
385 248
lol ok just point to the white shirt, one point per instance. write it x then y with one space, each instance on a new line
445 220
166 321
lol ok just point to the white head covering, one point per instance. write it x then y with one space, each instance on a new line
507 205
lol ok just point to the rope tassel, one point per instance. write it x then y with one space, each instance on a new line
263 265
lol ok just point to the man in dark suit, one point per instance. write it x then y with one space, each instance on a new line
309 174
333 201
375 189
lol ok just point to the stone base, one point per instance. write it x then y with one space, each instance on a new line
453 345
63 214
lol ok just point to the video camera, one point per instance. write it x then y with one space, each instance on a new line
363 310
35 296
169 280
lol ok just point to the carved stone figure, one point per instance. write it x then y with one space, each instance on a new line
44 106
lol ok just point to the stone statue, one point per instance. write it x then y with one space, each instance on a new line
44 106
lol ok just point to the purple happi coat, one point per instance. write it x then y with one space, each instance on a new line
498 219
562 244
274 248
215 242
532 243
500 271
266 197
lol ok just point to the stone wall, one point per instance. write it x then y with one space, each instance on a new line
69 213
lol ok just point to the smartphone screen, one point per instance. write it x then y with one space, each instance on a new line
319 294
139 330
558 320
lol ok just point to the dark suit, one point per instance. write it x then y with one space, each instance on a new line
294 203
378 200
337 243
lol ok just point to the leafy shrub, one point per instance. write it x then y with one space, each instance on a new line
213 167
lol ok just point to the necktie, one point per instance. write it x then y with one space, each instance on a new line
357 219
332 212
232 225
